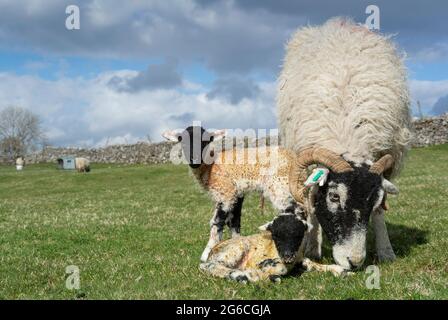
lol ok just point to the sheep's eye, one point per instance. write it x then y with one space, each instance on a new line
334 197
212 138
179 138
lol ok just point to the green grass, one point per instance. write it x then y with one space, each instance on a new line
136 232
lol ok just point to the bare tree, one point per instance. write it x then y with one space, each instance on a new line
20 132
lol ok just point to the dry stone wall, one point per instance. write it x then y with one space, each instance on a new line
428 131
431 131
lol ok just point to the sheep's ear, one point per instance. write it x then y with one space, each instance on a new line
218 134
265 227
171 135
389 187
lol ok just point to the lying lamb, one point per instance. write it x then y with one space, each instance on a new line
266 255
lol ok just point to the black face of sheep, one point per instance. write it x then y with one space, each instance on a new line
344 199
287 232
343 207
195 141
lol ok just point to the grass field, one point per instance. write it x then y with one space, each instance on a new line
136 232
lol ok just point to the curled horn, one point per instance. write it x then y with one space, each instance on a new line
383 164
315 155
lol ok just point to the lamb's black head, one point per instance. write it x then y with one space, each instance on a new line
287 232
344 201
195 141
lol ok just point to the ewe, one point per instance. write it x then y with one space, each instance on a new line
343 88
82 164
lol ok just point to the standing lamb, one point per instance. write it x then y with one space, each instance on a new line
343 88
228 179
82 165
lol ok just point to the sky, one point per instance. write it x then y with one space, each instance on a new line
137 68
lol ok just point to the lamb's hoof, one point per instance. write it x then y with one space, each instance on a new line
338 271
239 276
386 255
275 278
306 264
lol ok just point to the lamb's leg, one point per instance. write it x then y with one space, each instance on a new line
384 249
313 248
335 269
234 218
217 224
223 263
220 270
272 269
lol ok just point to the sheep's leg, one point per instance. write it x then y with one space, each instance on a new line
313 248
384 249
335 269
217 224
234 218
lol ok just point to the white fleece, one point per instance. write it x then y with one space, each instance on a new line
344 88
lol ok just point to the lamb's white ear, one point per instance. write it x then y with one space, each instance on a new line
265 227
171 135
389 187
218 134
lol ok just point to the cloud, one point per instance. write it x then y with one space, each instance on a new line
234 89
238 42
162 76
435 53
88 112
35 66
441 106
186 117
229 36
427 92
223 37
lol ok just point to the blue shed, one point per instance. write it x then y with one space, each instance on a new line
66 163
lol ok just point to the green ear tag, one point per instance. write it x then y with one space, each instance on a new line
318 175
